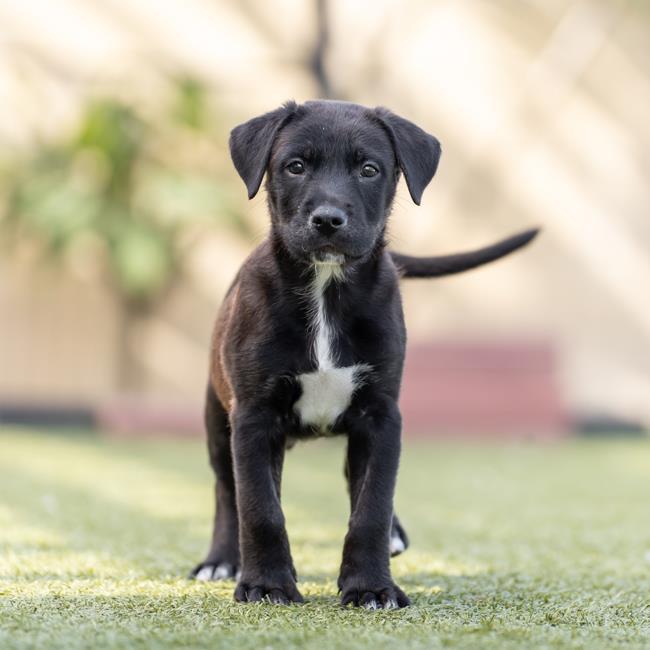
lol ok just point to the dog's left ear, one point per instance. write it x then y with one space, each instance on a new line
251 142
416 151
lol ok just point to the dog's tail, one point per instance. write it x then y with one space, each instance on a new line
432 267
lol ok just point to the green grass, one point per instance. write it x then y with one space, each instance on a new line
512 546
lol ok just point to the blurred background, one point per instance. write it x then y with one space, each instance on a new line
122 221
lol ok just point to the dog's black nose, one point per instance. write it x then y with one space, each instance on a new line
328 219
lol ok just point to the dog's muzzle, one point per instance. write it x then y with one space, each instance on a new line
328 220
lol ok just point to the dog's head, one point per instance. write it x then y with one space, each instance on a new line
332 169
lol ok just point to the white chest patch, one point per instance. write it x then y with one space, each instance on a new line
328 390
325 395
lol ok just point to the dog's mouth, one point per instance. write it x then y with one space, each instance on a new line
328 255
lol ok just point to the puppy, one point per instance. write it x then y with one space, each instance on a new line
310 341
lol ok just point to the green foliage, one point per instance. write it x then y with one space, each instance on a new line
512 547
116 135
131 182
190 106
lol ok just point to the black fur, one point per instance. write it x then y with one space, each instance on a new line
417 152
326 203
440 265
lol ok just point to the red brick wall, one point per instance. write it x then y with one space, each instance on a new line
485 389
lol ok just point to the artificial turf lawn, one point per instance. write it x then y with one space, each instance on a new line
512 546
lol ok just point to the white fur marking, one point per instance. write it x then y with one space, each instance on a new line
396 544
324 273
205 574
325 395
212 572
221 572
327 391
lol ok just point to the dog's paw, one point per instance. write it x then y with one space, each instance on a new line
208 571
389 597
399 540
278 593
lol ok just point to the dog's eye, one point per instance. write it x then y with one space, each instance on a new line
369 170
296 167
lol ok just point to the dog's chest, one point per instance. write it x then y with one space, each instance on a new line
328 390
326 394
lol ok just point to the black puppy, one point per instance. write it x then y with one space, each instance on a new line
310 340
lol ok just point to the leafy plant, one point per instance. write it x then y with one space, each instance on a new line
127 187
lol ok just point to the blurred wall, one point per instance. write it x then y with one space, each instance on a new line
541 108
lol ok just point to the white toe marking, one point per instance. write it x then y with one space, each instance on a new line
205 574
397 544
221 572
371 605
390 604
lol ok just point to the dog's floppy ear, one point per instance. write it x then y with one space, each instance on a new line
416 151
251 142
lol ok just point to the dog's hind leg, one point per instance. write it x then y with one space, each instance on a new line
399 540
222 560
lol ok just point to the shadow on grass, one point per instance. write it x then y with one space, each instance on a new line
97 536
128 541
86 521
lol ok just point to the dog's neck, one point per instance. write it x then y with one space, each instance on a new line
317 286
324 289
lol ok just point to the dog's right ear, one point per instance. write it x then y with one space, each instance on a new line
251 142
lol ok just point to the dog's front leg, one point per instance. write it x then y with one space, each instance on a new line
373 457
258 450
